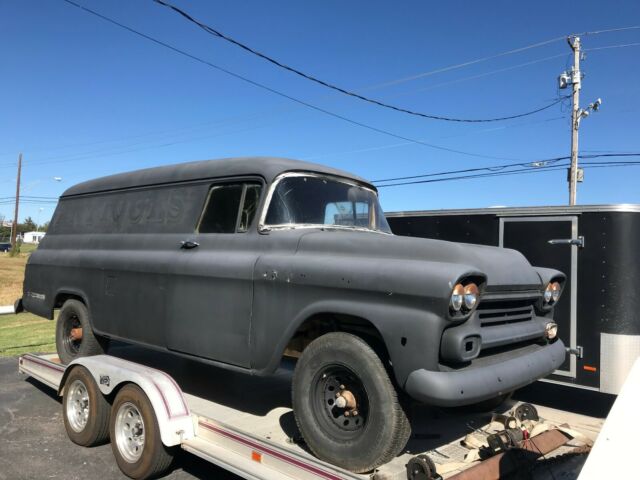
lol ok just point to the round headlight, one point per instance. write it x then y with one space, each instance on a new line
551 330
457 297
548 294
471 293
552 293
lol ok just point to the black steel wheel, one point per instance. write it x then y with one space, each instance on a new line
74 334
341 400
345 405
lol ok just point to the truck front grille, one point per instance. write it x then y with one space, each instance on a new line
494 313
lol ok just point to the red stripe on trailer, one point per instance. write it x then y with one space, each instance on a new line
164 400
49 365
273 453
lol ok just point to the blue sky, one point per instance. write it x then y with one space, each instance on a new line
82 98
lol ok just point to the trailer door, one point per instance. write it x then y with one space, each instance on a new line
531 235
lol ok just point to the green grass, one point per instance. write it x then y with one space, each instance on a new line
26 333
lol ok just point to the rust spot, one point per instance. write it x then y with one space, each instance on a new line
76 334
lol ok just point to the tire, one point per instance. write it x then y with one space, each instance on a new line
371 428
74 315
84 409
133 410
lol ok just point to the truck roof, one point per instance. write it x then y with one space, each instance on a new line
266 167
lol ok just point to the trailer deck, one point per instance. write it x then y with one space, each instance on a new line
251 431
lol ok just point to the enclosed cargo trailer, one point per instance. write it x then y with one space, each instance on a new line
596 245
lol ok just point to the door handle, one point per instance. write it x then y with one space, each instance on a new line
579 242
188 244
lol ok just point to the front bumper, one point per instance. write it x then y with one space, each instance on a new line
474 384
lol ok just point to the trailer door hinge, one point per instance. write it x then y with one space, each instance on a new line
578 351
579 242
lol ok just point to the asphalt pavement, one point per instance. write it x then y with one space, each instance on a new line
34 444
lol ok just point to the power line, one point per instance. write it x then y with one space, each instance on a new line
609 30
274 91
336 88
606 47
515 172
535 164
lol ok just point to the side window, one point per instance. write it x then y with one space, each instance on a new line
223 212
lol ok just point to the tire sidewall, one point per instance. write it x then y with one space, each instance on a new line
144 466
342 350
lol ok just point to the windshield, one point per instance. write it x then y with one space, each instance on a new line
310 200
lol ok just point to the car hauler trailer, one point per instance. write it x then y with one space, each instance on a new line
260 445
596 245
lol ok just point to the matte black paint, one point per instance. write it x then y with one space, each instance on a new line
237 299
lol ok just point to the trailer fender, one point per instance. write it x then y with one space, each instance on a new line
169 405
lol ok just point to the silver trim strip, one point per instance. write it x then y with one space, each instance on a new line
574 385
573 320
507 211
262 227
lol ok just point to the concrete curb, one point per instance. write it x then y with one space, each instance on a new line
6 310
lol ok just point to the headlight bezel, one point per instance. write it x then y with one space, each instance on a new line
465 297
551 294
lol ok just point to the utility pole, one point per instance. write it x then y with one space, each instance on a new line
574 77
14 230
575 119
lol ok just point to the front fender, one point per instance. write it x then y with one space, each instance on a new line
401 298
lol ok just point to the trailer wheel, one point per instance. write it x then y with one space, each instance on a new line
84 409
345 405
135 435
74 335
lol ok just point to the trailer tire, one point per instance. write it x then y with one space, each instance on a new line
345 404
133 421
85 409
75 315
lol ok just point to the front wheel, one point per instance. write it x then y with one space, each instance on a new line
345 405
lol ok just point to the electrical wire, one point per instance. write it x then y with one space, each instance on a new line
277 92
609 30
535 164
498 174
606 47
336 88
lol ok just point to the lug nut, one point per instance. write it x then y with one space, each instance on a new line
341 387
355 413
346 414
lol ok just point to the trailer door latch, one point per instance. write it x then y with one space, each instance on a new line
578 351
579 242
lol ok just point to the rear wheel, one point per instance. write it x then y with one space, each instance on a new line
135 435
74 335
84 409
345 404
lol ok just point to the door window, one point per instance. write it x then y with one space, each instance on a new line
230 208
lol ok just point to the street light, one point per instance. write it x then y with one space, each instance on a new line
38 219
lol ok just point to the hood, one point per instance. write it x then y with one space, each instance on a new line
504 268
